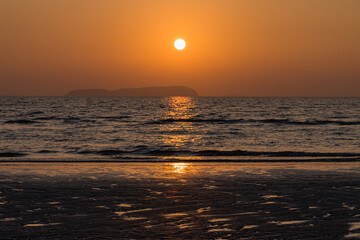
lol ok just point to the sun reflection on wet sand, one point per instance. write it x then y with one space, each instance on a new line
180 167
179 199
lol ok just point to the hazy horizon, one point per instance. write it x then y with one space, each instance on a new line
239 96
235 48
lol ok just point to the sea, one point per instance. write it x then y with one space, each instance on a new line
130 129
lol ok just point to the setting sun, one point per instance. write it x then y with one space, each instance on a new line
180 44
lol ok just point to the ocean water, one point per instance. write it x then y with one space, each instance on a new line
179 128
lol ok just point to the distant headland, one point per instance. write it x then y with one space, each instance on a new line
137 92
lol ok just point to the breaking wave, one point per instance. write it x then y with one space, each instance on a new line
271 121
215 153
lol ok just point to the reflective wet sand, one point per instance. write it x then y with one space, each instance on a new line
180 200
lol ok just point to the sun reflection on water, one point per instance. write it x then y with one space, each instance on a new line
179 133
179 107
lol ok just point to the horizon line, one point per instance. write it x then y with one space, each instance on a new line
188 96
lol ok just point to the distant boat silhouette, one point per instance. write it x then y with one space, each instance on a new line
137 92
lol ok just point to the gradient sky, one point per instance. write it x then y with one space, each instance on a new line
234 47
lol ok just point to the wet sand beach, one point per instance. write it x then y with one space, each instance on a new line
179 200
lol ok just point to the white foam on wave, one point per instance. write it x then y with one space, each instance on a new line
40 224
352 208
219 220
201 210
125 205
185 225
354 226
352 235
174 215
133 218
8 219
271 196
250 226
120 213
244 213
289 222
220 230
293 209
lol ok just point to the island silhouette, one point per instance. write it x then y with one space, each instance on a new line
137 92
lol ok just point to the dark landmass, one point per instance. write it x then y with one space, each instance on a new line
137 92
158 201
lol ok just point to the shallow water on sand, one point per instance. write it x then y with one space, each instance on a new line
157 201
178 128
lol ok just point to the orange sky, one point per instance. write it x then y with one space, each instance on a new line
234 47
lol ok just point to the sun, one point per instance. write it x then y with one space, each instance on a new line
180 44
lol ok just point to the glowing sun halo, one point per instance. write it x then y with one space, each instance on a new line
180 44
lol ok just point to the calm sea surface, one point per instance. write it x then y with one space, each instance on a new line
178 128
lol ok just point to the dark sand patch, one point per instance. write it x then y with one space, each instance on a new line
112 201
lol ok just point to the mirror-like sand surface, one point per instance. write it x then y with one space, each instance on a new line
180 200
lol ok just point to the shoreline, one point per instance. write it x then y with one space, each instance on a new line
187 160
